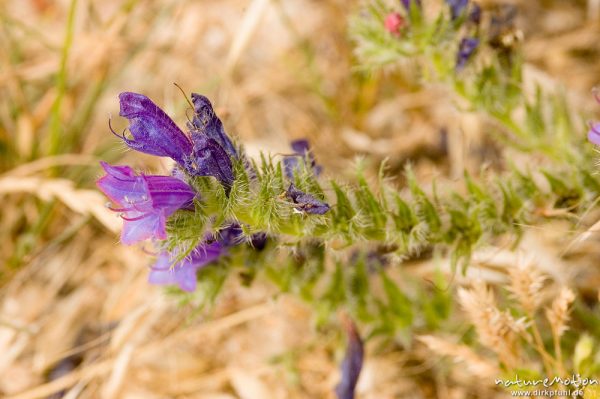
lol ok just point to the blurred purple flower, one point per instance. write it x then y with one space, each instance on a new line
352 363
145 201
153 131
306 202
183 273
407 3
301 149
475 14
258 241
466 48
594 133
457 7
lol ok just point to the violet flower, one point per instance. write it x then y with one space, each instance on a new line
306 202
408 4
210 159
475 14
206 153
183 273
594 133
301 149
258 241
145 201
457 7
205 121
153 131
466 48
352 363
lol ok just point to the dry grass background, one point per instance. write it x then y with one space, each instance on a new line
74 301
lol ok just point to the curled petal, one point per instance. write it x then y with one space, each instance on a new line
152 130
306 202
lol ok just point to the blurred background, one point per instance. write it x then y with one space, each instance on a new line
77 318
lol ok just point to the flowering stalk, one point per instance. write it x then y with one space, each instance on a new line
219 205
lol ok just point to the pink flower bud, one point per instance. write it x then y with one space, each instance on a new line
394 22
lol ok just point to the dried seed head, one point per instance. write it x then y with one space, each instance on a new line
496 329
558 313
526 284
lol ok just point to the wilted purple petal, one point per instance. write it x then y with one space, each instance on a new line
207 122
306 202
144 202
302 150
466 48
152 130
258 241
457 7
230 235
594 133
183 273
210 159
352 363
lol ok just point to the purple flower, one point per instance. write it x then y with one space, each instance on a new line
457 7
145 202
153 131
301 149
352 363
210 159
205 121
183 273
206 153
258 241
408 4
594 133
475 14
306 202
466 48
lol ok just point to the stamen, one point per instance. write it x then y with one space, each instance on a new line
136 218
122 135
